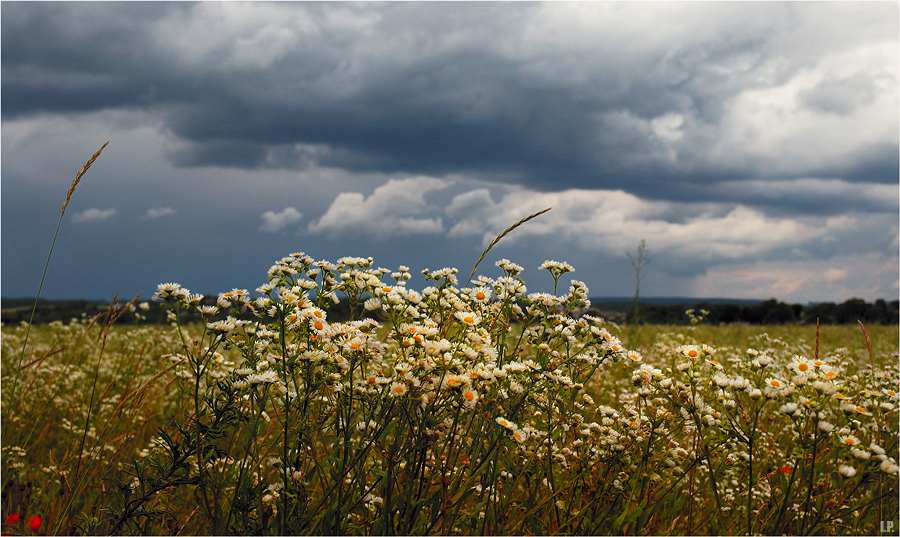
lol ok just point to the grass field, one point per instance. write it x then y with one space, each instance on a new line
472 409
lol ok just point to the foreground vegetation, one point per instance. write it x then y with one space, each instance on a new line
470 408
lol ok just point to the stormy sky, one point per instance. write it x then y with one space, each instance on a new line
753 146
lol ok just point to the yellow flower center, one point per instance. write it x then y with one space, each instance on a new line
692 353
470 396
775 383
803 366
319 325
469 319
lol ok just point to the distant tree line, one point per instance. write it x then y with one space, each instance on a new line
19 310
16 311
766 312
775 312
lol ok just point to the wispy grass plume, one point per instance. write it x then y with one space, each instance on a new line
78 176
500 236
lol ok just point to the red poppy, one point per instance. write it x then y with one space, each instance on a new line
34 522
785 469
12 519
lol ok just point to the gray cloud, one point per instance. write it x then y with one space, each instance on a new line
732 136
841 96
640 97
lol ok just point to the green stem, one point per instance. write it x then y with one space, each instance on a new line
14 406
287 410
712 472
750 437
812 476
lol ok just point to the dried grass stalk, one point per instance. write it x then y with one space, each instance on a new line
500 236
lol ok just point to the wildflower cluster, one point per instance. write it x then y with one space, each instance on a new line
440 398
478 408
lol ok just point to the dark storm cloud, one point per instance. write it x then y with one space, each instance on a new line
827 197
502 91
79 56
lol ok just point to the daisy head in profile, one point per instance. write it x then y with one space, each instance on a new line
689 351
519 435
468 317
506 423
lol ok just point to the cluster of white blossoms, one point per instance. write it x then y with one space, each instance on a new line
490 365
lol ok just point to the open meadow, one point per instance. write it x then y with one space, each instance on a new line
462 408
754 145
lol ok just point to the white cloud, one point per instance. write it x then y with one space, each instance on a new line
232 35
703 249
159 212
614 221
668 127
93 215
802 117
395 209
274 222
863 276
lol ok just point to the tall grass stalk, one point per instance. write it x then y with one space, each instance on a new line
500 236
13 408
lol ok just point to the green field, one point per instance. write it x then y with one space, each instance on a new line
472 409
